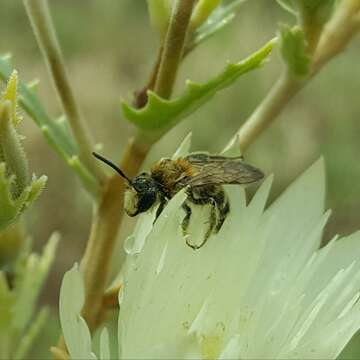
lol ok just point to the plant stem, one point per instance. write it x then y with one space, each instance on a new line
281 93
96 261
335 37
173 47
42 25
107 217
141 96
338 32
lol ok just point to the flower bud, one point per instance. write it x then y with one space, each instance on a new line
17 192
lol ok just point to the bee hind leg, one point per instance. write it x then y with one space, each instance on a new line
223 208
186 220
198 197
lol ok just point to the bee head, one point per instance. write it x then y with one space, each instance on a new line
141 192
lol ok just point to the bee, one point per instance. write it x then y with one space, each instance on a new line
201 174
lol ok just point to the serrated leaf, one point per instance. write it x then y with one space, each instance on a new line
293 50
160 114
220 17
75 330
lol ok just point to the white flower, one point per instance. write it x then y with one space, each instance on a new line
260 289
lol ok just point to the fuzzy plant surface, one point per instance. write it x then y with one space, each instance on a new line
17 190
261 288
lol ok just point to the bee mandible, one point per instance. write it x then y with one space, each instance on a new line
201 174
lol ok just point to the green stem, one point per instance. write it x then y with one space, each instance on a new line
107 218
333 40
281 93
141 96
42 25
173 47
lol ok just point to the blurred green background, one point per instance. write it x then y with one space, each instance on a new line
110 48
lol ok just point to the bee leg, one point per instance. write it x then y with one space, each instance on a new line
223 208
161 207
198 198
212 222
186 220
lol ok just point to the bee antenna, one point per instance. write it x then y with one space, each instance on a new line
112 165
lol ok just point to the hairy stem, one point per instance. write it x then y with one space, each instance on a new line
42 25
173 47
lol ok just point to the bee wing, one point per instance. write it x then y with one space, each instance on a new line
216 170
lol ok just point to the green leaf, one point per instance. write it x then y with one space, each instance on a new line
161 114
29 282
219 18
86 177
75 330
293 50
11 150
34 190
57 132
10 208
62 142
202 11
27 340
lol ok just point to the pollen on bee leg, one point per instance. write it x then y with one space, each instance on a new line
131 200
